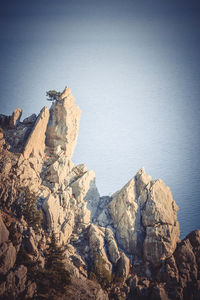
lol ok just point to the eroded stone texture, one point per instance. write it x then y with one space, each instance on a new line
59 215
63 124
35 144
112 247
100 263
85 191
125 213
15 117
122 267
159 217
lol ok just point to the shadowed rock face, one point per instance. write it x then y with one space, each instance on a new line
126 242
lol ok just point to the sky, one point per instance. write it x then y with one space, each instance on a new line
133 68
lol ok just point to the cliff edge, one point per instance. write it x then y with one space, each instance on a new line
125 246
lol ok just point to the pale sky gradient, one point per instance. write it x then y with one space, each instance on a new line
133 67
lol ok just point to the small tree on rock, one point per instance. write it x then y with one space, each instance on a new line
55 274
53 95
29 210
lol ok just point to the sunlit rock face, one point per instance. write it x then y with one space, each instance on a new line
125 213
144 217
159 217
35 144
63 124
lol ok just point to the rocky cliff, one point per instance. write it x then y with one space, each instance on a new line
125 246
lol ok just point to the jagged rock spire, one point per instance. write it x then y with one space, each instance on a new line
63 126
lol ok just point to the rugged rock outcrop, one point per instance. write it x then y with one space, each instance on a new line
129 242
159 218
35 147
63 124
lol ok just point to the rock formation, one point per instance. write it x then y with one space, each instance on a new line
121 247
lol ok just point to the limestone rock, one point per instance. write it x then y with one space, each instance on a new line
180 272
59 217
142 181
77 172
102 216
63 124
56 174
125 213
35 144
15 117
113 251
122 268
108 238
159 216
160 207
160 242
186 263
100 263
7 256
85 191
4 234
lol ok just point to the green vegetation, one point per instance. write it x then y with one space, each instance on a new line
54 275
55 265
100 273
53 95
53 278
29 210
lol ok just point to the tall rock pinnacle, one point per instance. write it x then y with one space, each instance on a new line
63 127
